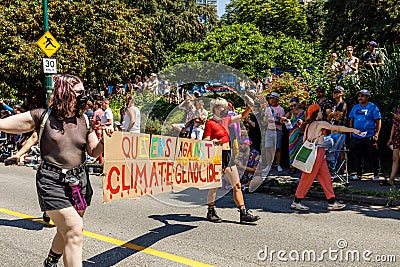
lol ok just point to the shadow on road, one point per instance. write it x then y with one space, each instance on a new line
28 224
117 254
275 203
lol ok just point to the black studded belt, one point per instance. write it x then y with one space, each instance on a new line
75 171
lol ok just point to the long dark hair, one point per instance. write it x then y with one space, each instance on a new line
63 99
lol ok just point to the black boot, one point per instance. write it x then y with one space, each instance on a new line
212 215
52 259
48 263
247 216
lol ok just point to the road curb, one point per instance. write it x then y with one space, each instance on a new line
381 201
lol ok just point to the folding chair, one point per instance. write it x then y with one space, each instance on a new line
5 148
338 166
3 136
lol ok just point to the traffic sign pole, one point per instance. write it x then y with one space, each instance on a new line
47 77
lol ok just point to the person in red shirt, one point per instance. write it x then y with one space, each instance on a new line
216 129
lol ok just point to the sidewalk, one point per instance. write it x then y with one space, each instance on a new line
362 191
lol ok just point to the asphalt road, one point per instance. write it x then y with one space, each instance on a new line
148 232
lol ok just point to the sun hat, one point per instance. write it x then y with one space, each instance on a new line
274 95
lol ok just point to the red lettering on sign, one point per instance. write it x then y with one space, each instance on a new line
169 171
139 174
124 186
208 145
194 171
109 178
168 149
153 174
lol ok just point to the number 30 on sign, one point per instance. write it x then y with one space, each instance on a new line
49 65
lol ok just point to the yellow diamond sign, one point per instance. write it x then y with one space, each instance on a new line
48 44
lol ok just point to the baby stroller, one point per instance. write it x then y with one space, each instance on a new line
334 146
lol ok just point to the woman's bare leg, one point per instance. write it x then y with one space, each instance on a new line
395 164
232 175
211 196
69 231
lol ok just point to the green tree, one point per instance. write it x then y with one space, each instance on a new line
240 46
288 52
243 47
174 22
99 41
285 16
316 14
356 22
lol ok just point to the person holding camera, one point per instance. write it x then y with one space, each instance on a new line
372 58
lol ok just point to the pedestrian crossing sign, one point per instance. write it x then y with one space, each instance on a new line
48 44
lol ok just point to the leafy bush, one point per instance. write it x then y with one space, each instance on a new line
289 86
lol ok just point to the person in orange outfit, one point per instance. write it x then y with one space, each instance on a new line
313 132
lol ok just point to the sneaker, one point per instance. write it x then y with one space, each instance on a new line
355 177
375 179
336 206
298 206
279 168
247 216
212 216
48 263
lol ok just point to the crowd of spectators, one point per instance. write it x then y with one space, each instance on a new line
262 124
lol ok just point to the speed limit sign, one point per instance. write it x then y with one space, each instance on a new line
49 65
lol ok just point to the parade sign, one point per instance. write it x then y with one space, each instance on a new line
142 164
48 44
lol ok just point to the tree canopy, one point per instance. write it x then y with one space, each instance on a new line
173 22
341 23
243 47
99 41
271 17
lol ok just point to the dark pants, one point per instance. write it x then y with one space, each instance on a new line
365 149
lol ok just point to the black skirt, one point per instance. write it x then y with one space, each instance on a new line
54 192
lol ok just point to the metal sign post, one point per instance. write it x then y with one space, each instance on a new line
47 77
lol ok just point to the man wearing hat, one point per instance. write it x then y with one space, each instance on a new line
273 135
366 117
371 58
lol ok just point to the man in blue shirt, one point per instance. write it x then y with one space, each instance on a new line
365 117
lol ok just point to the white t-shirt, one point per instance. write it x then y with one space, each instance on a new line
106 116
